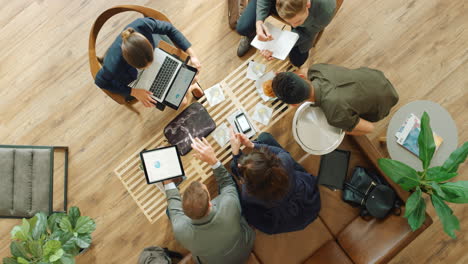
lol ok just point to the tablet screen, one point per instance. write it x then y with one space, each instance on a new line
161 164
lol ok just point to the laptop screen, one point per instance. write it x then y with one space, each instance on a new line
161 164
180 86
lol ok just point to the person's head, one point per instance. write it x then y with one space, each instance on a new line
263 175
136 49
291 88
295 12
196 200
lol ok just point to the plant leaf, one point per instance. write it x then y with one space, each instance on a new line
51 247
455 192
40 226
438 174
426 141
85 225
21 232
400 173
413 202
35 247
22 261
17 249
73 214
83 241
417 216
65 224
9 261
54 220
457 157
68 242
449 221
436 187
67 259
57 255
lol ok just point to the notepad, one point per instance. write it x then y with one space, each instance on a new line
282 43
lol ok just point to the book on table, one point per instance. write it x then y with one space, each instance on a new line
282 43
407 135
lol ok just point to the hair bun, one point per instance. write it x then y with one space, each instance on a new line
127 32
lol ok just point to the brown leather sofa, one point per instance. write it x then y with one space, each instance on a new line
340 235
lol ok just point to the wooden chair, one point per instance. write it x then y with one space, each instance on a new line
94 62
319 35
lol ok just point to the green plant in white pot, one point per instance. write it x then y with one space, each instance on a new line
56 239
431 180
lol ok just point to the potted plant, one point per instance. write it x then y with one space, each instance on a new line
431 180
56 239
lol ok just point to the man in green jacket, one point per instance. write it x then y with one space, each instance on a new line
351 99
306 17
214 231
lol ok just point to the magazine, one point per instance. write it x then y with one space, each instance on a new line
407 135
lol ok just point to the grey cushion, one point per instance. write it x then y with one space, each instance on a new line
25 181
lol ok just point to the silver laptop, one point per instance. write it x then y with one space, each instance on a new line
168 78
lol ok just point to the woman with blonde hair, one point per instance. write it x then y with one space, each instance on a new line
132 51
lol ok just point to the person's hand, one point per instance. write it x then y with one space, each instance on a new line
244 140
267 54
235 142
196 62
143 96
168 181
205 151
262 32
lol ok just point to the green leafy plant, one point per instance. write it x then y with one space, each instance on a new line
432 181
56 239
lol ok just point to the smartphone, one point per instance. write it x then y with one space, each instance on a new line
243 123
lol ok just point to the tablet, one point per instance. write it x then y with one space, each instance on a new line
161 164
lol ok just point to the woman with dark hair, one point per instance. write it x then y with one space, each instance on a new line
132 51
277 195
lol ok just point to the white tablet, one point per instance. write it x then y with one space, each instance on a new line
161 164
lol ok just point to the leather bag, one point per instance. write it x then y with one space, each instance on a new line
371 194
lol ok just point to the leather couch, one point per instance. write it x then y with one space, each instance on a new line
340 235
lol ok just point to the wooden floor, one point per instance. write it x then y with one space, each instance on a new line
48 97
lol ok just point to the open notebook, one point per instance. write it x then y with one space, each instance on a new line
282 43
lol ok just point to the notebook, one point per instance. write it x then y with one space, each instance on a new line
282 43
333 169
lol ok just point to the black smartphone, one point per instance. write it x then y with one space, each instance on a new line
243 123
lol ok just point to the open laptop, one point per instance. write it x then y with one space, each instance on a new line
168 78
161 164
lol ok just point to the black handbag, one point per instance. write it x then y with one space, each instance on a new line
371 193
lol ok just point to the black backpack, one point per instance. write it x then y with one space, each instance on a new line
371 193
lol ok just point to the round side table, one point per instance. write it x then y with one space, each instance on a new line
441 123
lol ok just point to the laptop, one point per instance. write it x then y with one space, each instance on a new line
161 164
168 78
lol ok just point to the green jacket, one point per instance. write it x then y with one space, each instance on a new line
345 95
223 236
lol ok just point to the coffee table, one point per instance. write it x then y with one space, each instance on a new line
441 123
240 92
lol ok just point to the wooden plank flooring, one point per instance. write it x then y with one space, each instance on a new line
47 97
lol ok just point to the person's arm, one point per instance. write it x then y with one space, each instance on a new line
363 127
105 81
206 154
272 149
166 28
264 9
174 206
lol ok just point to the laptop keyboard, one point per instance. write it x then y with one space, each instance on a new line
164 76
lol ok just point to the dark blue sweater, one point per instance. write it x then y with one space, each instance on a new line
116 73
294 212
